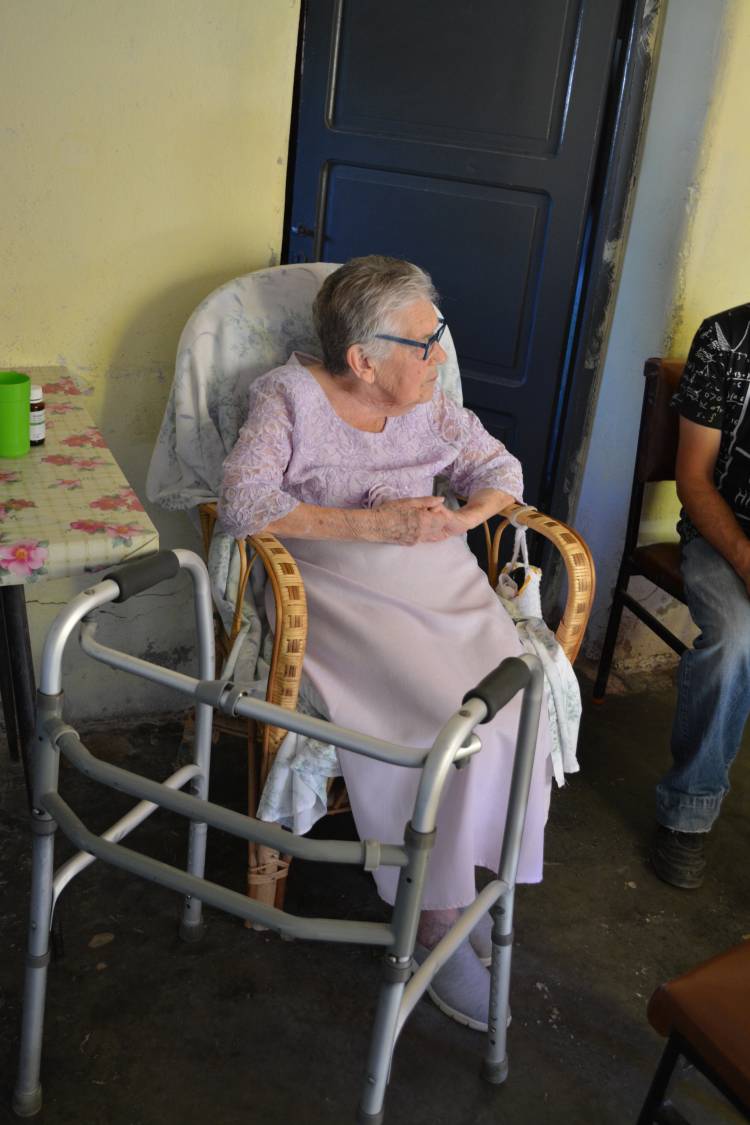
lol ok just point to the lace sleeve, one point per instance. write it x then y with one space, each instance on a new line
481 461
252 493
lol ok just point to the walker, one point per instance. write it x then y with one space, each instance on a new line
400 989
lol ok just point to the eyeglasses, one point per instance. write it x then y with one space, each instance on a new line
425 345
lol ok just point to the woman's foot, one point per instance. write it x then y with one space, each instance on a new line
461 988
481 940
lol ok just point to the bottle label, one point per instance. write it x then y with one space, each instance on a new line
37 426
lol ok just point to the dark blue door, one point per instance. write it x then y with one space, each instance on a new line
462 136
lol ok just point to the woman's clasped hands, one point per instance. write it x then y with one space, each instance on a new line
418 519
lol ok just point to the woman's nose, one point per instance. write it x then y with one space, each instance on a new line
438 354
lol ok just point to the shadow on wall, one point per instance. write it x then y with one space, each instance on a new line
652 275
140 374
137 384
159 625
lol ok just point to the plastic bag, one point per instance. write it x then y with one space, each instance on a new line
523 600
519 589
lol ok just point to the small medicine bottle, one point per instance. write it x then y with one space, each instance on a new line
37 424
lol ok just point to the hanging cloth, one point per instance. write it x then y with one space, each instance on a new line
519 589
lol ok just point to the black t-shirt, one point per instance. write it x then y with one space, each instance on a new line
715 391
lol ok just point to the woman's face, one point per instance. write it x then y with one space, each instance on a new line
404 379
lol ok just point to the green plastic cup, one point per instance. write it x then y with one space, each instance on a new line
15 394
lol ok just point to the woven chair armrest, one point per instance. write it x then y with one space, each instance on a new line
579 566
289 639
290 635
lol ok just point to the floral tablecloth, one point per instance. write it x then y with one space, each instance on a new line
66 508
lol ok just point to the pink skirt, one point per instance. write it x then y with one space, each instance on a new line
397 636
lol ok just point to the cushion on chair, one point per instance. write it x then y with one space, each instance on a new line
240 331
710 1008
660 563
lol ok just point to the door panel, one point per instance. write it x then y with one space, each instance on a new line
520 66
462 137
439 221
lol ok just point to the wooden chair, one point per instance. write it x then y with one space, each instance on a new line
658 562
705 1014
267 870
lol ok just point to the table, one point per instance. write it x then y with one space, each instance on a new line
65 509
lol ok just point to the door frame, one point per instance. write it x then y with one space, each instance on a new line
616 178
613 192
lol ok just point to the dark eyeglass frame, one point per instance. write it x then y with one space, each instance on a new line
425 345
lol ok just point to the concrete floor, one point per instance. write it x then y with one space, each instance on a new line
246 1028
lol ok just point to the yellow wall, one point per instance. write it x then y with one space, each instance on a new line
144 152
143 159
714 273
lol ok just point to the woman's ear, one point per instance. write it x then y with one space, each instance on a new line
360 363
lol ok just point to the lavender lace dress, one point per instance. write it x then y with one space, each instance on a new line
397 634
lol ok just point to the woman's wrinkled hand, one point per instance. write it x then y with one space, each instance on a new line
458 522
413 519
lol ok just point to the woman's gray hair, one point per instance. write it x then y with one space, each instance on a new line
359 300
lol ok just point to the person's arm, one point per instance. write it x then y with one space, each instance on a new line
483 470
481 506
420 519
253 497
708 510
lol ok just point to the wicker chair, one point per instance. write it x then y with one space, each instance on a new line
245 328
267 870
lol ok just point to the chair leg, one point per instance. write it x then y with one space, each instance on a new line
654 1103
266 878
281 883
610 638
266 869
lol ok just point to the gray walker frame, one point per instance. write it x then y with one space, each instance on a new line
454 746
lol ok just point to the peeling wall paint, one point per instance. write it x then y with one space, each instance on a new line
711 270
678 197
141 169
639 60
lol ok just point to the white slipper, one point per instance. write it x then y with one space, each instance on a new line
481 939
481 942
461 989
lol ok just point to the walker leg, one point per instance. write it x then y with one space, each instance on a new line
382 1043
192 926
495 1062
27 1096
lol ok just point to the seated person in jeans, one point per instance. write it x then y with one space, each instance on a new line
713 483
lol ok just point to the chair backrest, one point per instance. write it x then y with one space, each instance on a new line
659 430
240 331
656 455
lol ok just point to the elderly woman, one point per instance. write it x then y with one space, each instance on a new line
338 457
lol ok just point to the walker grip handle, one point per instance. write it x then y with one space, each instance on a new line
135 577
500 685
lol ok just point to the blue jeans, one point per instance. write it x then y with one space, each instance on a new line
714 693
